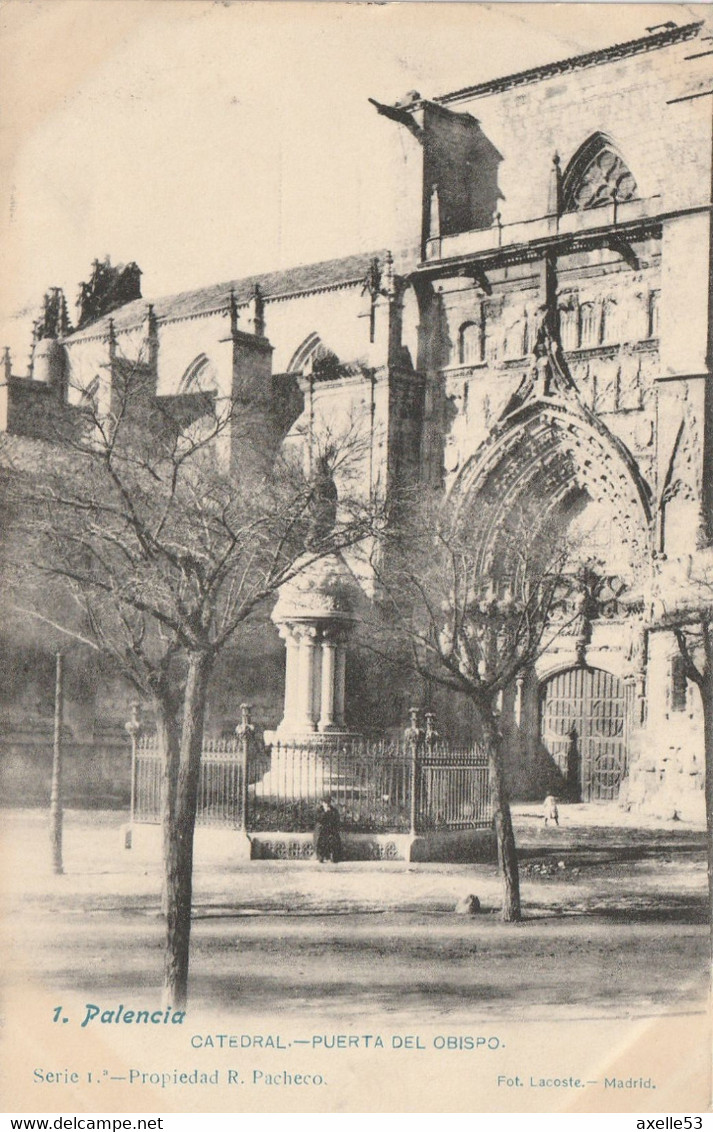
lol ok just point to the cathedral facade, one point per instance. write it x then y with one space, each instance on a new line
539 328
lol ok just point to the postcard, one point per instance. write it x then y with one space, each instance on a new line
357 557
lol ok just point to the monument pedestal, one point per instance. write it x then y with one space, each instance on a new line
305 767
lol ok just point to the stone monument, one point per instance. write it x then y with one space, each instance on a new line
315 614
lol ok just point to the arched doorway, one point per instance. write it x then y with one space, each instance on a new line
583 726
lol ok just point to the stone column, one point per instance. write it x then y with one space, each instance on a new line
517 706
340 668
292 660
304 689
329 668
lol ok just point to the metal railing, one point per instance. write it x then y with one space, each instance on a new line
147 777
404 786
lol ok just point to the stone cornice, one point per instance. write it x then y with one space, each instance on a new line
562 243
574 63
73 341
342 285
192 315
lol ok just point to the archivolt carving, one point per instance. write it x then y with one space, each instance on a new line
547 454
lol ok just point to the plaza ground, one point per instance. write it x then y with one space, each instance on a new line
615 924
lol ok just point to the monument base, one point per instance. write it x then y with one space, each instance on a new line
302 764
467 846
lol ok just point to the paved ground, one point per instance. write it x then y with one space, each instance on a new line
615 919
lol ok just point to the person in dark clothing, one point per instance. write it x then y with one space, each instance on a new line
327 842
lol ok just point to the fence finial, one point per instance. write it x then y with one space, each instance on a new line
245 729
133 723
432 736
413 734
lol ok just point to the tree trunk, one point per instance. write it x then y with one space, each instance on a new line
505 837
169 745
181 798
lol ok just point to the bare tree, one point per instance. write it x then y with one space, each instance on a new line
470 619
168 523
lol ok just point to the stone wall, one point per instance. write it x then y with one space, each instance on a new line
95 773
665 142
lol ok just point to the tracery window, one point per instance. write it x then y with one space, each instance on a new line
200 375
597 175
305 353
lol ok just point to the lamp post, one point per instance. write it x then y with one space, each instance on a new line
133 726
414 738
56 804
245 732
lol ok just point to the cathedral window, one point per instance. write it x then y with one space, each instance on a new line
200 375
597 175
471 343
305 353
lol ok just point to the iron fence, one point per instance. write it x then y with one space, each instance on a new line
453 789
219 787
377 786
147 776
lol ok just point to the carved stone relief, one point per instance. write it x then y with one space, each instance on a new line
630 388
606 385
683 478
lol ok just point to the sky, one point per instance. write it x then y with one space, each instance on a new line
211 140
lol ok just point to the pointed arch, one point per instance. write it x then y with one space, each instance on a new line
597 175
304 352
199 376
547 460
